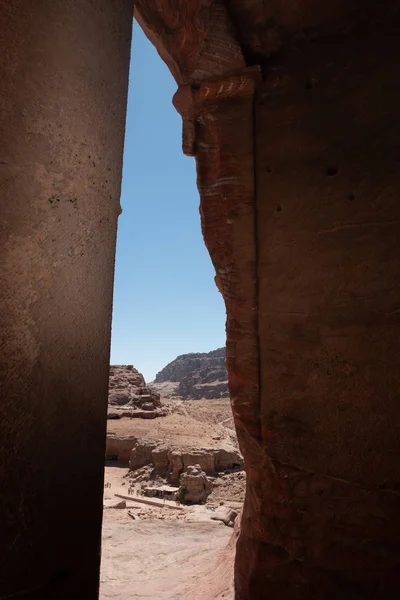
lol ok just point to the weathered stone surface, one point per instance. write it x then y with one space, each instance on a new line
141 453
63 88
225 514
171 462
198 375
291 110
119 447
185 364
298 179
128 394
133 413
119 504
194 487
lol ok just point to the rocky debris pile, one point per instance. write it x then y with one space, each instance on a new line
170 462
129 396
194 486
197 376
168 390
229 487
225 514
120 504
142 475
222 514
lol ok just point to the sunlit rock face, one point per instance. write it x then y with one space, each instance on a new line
196 375
194 486
129 396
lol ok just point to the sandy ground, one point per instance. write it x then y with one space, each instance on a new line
161 556
153 559
206 411
192 423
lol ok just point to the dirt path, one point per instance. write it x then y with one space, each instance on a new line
157 560
160 555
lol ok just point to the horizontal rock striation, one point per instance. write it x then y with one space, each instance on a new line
129 396
172 462
197 375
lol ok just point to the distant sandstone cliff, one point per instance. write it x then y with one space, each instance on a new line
196 376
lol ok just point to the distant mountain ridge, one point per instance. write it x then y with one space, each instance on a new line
198 375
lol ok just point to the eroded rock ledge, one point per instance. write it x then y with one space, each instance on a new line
129 396
170 461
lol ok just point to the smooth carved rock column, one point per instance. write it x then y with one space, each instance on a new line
63 87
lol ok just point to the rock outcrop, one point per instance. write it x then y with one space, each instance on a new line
197 375
119 447
171 462
225 514
194 487
129 396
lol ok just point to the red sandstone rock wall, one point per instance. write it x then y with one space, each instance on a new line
298 178
327 149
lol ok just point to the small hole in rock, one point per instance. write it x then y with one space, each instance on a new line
331 171
279 208
309 84
351 197
268 170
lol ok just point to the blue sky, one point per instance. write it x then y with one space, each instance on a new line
165 299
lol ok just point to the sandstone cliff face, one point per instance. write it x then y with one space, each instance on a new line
128 395
197 375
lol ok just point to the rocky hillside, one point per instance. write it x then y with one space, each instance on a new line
196 375
129 396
